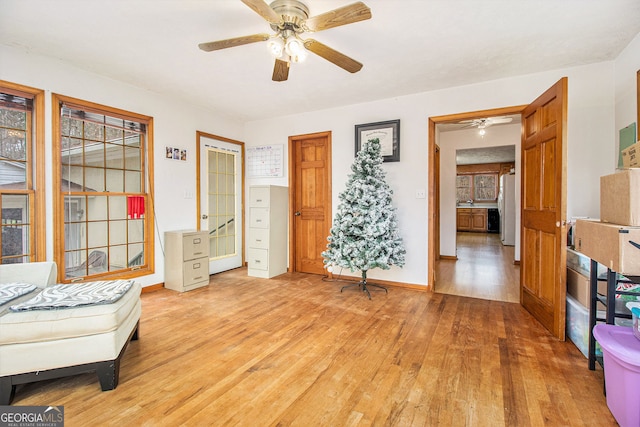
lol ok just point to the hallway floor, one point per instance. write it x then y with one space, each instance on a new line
485 269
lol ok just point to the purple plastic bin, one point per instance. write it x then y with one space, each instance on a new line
621 353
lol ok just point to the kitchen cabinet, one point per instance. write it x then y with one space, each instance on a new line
471 219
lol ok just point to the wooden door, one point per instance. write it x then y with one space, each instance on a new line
543 267
310 200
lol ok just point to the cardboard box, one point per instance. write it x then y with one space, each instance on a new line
579 288
611 245
630 156
620 198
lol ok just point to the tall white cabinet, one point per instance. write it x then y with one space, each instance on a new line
186 262
268 228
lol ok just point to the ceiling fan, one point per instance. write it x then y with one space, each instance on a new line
290 19
486 122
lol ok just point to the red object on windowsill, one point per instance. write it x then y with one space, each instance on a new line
135 207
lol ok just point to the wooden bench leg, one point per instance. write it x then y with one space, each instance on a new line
7 390
108 374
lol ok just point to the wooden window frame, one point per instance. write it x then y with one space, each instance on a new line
472 186
35 174
58 198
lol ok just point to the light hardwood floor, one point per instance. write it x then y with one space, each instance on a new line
484 269
296 351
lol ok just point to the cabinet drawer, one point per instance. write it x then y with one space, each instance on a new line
258 238
259 218
195 245
195 271
259 197
258 258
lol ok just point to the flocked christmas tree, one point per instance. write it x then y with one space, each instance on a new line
364 234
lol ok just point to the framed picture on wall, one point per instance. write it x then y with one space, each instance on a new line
387 132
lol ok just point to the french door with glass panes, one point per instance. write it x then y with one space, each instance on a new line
221 200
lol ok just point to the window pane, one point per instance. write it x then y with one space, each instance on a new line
72 157
13 176
97 234
97 208
11 118
132 182
117 207
136 230
74 235
117 257
94 155
117 232
230 164
93 131
15 227
75 264
114 135
71 127
115 156
115 180
13 144
72 179
133 139
136 254
132 159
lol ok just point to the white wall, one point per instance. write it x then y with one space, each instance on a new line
601 101
450 142
175 125
590 133
627 66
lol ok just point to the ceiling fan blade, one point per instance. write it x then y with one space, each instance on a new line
238 41
331 55
343 15
280 71
264 10
497 120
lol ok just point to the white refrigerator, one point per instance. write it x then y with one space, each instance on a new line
507 209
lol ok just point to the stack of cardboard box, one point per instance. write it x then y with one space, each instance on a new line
614 241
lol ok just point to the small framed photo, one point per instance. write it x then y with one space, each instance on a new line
387 132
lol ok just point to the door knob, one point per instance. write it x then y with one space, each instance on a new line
204 216
297 213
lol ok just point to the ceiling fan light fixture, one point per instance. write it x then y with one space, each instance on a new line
295 49
276 46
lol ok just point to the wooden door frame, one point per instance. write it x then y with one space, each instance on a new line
292 183
433 214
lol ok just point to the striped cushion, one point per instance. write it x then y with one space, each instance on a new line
80 294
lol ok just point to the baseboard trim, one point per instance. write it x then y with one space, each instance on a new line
516 262
152 288
449 257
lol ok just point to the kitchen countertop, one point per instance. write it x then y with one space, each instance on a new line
477 206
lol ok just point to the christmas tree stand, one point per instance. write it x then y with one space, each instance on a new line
363 283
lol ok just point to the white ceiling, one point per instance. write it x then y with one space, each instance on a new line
407 47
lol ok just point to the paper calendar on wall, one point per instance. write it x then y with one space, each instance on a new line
265 161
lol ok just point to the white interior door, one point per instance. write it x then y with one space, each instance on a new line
221 202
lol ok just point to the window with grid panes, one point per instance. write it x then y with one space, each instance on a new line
21 174
104 225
